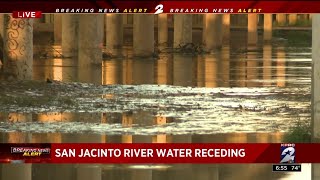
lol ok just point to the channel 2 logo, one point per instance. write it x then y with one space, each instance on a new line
288 153
159 9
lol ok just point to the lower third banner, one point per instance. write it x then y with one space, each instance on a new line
160 153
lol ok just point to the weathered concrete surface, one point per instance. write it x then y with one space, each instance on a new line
70 32
292 19
90 38
18 47
57 25
267 27
143 35
252 29
281 19
315 101
87 171
316 77
315 171
1 38
1 26
162 29
212 34
17 171
114 32
182 29
226 27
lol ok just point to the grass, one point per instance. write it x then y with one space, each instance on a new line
300 132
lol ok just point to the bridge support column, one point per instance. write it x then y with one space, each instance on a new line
182 29
281 19
1 39
69 37
143 35
18 47
1 27
57 28
226 27
212 31
292 19
114 32
267 27
252 29
162 30
17 171
315 117
90 41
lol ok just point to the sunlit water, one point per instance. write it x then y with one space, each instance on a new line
231 96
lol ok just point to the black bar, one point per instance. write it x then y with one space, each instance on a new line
286 168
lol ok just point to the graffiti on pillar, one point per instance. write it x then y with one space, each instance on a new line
13 29
16 40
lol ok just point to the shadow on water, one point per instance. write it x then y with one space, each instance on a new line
236 95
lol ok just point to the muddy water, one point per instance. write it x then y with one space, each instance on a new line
231 96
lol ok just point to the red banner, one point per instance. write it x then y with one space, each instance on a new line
160 153
177 6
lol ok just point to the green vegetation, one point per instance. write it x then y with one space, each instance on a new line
300 132
298 23
299 37
302 23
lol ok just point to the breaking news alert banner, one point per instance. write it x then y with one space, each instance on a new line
175 6
160 153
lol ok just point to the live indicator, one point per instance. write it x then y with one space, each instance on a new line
26 14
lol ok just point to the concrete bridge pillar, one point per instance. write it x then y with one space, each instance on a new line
57 28
267 27
90 38
17 171
315 101
281 19
69 37
1 39
292 19
252 29
316 77
162 30
226 27
143 35
87 171
1 27
114 32
212 33
182 29
18 47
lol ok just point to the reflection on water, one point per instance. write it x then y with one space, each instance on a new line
267 77
259 66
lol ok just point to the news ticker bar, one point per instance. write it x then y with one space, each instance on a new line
161 153
157 7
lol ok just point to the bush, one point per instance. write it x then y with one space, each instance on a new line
300 132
